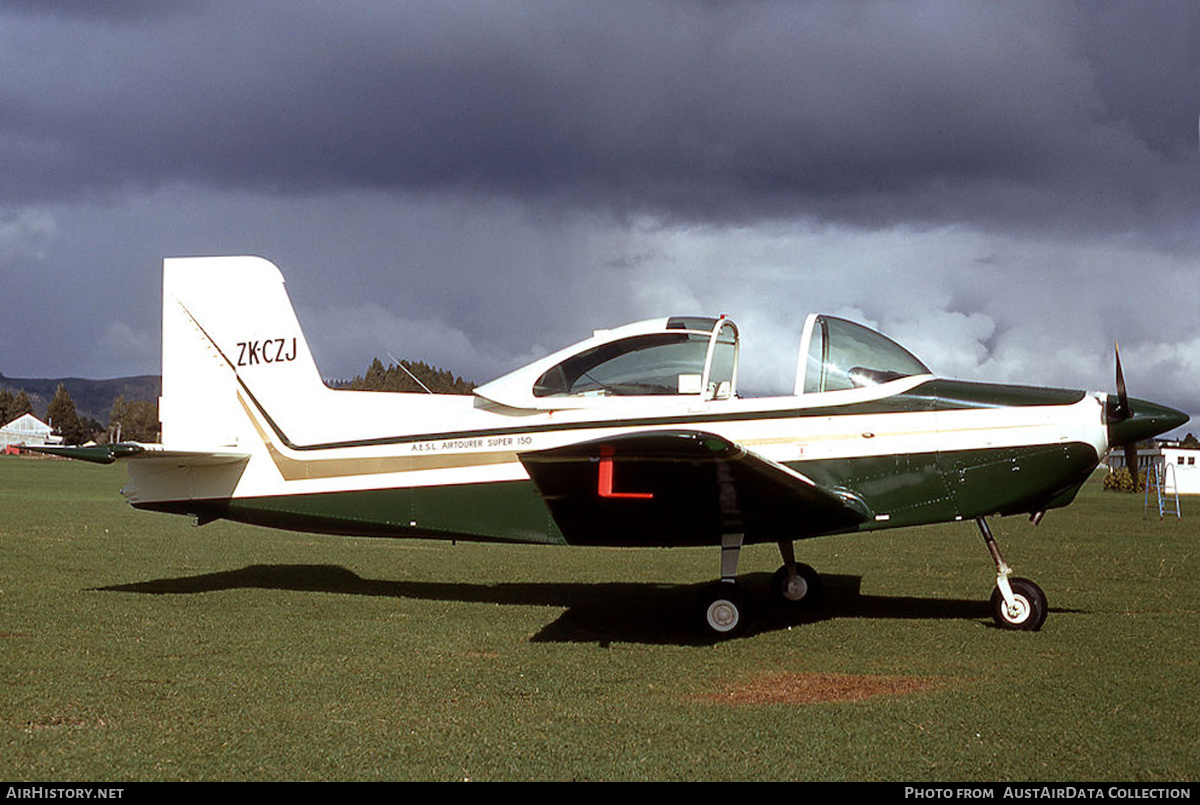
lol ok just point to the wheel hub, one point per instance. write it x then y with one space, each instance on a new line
795 588
1019 610
723 615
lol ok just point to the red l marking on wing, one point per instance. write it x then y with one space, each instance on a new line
605 486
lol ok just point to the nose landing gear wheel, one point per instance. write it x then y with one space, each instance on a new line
1028 612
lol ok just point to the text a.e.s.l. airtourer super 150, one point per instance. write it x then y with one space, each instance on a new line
636 436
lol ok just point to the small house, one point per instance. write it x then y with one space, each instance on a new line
27 430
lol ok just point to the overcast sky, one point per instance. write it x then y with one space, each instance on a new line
1005 188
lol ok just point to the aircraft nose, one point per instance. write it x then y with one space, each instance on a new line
1146 420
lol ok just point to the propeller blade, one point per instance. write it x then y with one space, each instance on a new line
1123 410
1122 413
1132 421
1131 461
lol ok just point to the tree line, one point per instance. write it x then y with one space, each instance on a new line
14 405
400 377
135 421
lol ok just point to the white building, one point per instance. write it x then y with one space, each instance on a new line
1176 465
1184 468
28 430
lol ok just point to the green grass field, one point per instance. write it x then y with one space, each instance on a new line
135 646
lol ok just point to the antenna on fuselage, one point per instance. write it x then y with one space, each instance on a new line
410 374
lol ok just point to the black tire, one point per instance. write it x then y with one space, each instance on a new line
723 610
1030 611
805 592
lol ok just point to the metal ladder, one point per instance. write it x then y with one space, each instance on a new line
1160 476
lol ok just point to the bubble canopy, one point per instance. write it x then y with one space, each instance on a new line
687 357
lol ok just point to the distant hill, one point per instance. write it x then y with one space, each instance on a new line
92 398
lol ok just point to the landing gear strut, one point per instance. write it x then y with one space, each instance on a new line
795 587
723 604
1016 603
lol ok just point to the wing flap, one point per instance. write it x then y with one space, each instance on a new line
682 487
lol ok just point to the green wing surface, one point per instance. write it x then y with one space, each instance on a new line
682 487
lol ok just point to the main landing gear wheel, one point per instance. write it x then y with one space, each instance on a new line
724 608
799 592
1028 611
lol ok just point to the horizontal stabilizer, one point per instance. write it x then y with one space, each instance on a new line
682 488
108 453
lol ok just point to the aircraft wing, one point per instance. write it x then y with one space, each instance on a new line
682 487
108 453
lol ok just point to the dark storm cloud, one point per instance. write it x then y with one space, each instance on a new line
100 10
873 113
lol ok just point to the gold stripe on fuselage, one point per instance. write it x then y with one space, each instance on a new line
294 469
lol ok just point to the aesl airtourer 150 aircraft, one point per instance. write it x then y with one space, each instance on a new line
635 436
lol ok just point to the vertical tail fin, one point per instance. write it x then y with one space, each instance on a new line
229 331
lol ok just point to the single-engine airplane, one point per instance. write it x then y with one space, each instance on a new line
635 436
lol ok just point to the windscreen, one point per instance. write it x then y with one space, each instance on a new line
845 355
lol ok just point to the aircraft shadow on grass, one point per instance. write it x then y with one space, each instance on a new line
634 612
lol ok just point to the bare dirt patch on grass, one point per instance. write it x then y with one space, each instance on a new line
817 688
